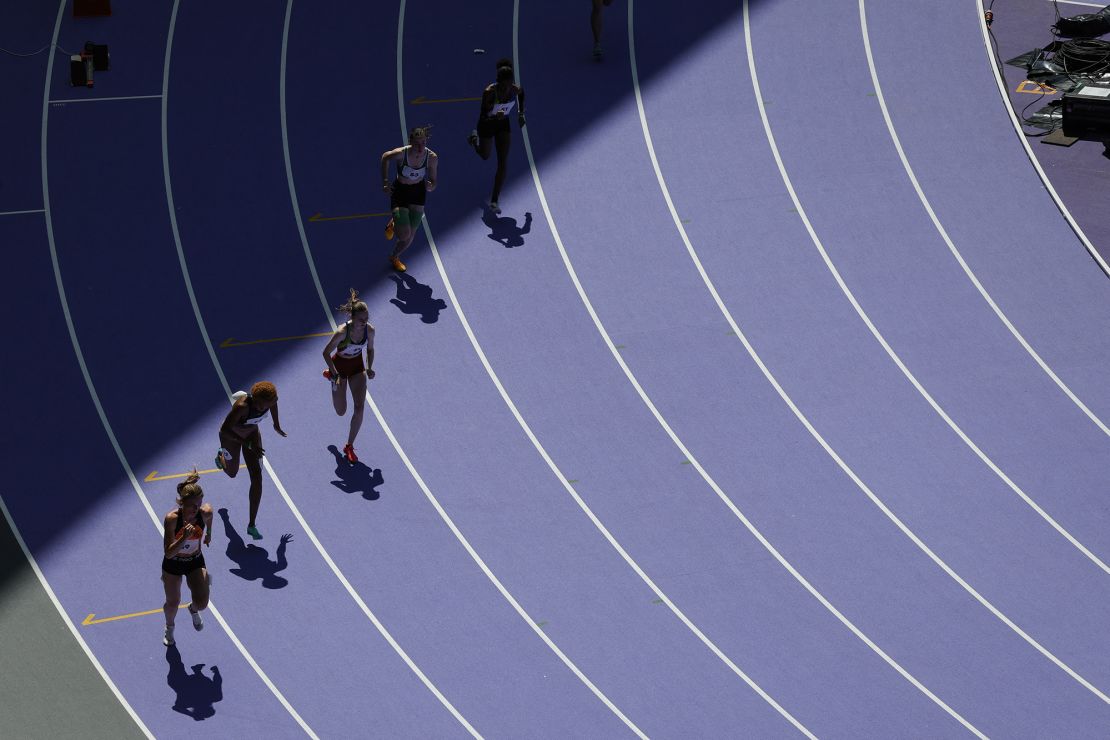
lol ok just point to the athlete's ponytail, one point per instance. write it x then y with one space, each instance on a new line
353 305
189 488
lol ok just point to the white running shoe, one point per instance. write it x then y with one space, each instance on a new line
494 207
167 637
198 623
237 395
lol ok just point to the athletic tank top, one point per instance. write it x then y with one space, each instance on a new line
501 107
348 347
253 416
407 172
190 546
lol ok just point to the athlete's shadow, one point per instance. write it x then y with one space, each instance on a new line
504 231
196 692
359 477
253 561
415 297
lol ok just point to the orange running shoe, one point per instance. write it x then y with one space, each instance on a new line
389 229
398 265
349 452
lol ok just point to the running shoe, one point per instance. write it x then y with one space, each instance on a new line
198 623
222 456
389 229
253 532
472 139
494 207
349 452
398 265
167 637
597 52
327 374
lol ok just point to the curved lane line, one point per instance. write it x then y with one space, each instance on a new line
316 279
227 388
999 79
111 434
751 351
859 310
994 307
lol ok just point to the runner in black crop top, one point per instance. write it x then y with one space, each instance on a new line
498 102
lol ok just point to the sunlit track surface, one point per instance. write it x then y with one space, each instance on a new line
680 250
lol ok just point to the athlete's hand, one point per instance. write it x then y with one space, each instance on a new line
280 431
520 119
187 531
387 187
370 374
208 539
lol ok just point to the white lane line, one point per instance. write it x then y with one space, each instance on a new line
100 100
994 307
751 351
68 622
531 622
1076 2
16 213
315 277
660 594
859 310
1000 80
104 417
227 388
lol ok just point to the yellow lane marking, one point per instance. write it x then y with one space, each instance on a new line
233 342
154 475
321 217
424 101
89 619
1036 88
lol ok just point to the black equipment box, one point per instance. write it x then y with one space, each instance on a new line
1086 112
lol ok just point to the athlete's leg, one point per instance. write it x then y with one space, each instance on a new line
339 396
253 460
198 588
233 445
485 147
595 20
358 400
401 230
503 140
413 216
172 586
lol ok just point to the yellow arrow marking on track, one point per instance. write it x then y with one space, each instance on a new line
89 619
424 101
154 475
233 342
1036 88
321 217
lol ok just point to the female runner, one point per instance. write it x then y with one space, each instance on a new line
240 432
182 531
343 355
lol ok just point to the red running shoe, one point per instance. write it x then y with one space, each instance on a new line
349 451
327 374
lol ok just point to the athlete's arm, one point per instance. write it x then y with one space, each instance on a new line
520 110
329 350
206 513
387 157
231 421
170 543
277 422
487 102
370 352
433 170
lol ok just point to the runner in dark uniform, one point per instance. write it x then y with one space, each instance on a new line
498 101
343 354
240 433
183 529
